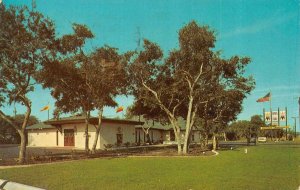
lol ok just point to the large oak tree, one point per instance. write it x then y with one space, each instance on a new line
180 84
27 39
84 81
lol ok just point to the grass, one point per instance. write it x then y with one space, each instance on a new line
264 167
297 139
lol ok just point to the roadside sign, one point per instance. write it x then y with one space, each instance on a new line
282 115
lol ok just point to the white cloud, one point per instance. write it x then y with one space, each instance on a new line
285 88
260 25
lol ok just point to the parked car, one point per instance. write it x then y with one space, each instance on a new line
262 139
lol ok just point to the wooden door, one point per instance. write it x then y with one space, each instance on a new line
69 137
119 139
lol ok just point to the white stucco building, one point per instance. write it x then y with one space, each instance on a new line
159 133
69 132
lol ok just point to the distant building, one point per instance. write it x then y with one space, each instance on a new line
160 133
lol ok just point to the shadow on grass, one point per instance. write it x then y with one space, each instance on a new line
123 152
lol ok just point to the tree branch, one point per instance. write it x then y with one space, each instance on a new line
159 101
4 117
198 76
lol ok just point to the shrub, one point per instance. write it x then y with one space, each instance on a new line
127 144
108 145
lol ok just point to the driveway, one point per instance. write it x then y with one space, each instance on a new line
12 151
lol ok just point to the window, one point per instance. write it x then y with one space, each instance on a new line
193 137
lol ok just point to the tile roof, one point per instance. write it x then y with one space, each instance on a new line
50 124
40 126
93 120
158 125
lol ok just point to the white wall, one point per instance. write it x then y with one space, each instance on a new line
42 137
109 131
79 137
108 135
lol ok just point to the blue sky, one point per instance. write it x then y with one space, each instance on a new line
266 31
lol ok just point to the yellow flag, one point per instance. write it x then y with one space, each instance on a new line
45 108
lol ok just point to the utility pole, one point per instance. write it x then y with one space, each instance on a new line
33 5
295 124
299 115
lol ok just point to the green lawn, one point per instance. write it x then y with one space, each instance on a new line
264 167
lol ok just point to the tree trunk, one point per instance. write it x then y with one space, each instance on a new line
176 129
86 132
97 129
225 138
188 126
22 150
206 133
215 142
206 139
148 137
179 147
186 144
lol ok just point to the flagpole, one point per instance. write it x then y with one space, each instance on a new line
264 116
286 123
48 110
278 123
271 107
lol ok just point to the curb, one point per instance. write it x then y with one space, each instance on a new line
8 185
216 153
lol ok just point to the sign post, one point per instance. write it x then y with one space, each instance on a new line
286 123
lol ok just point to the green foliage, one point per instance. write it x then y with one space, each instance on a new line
63 74
18 120
192 82
27 42
8 134
257 122
27 39
84 81
245 129
240 129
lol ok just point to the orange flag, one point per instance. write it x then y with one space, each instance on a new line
119 109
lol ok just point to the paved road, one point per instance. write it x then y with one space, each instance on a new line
234 143
12 151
